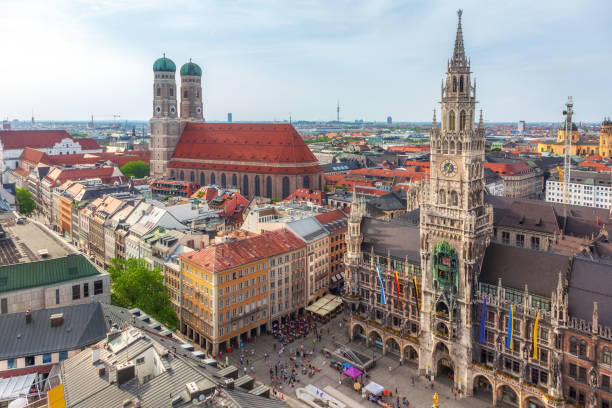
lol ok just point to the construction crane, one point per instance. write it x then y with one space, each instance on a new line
567 160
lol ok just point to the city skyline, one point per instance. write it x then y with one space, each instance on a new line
262 60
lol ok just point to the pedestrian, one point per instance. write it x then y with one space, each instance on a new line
431 384
455 393
412 380
390 369
400 362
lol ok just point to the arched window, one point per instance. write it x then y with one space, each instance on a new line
245 185
573 346
441 197
451 120
172 174
223 180
462 118
185 94
454 198
158 91
234 180
171 91
286 187
458 147
461 84
582 350
212 178
182 176
606 356
192 176
451 148
454 84
306 182
202 179
257 190
269 187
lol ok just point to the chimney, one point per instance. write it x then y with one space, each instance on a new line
95 355
28 315
56 319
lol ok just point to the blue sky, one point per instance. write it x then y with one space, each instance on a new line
263 59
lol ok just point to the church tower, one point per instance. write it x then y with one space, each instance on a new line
165 125
456 226
191 93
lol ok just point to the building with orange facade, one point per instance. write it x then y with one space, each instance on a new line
225 289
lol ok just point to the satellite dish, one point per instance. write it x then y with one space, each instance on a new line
201 397
194 401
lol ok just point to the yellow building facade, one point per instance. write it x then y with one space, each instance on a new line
578 148
605 138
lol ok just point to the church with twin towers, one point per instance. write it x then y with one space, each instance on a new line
260 159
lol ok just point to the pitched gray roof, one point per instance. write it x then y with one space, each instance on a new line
519 266
590 281
400 236
83 325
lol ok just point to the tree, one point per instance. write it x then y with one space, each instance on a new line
25 202
136 169
135 285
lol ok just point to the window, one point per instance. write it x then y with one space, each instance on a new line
10 363
451 120
535 242
98 287
57 297
605 382
582 350
3 306
76 292
86 289
30 361
505 237
520 240
158 91
171 91
46 358
573 346
606 356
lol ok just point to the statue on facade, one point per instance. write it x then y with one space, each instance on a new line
556 372
499 352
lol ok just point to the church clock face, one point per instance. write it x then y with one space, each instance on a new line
448 168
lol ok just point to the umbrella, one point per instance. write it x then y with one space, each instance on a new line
357 386
386 392
352 372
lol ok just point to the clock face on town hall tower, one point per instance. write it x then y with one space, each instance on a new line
448 168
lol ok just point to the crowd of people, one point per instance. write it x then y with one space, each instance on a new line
293 329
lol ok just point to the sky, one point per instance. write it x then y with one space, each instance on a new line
264 60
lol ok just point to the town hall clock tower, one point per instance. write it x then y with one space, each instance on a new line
456 227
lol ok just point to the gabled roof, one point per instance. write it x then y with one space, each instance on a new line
83 325
88 144
34 156
20 139
247 145
518 267
42 273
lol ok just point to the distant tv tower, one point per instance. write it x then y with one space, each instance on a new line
338 111
32 116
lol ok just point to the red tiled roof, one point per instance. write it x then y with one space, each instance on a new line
232 254
510 169
58 176
19 139
245 169
258 144
305 194
88 144
331 216
42 369
35 156
21 172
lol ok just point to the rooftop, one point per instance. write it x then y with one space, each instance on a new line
47 272
24 241
81 326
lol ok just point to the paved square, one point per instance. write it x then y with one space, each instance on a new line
418 395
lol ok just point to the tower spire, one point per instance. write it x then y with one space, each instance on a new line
435 122
459 51
481 122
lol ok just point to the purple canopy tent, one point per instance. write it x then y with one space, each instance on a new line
352 372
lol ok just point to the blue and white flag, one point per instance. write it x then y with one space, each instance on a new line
382 287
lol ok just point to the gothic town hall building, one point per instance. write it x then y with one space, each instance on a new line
261 159
508 298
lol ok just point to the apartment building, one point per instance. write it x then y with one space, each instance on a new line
587 188
225 288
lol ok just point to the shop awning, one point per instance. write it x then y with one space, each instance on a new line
352 372
374 388
325 305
